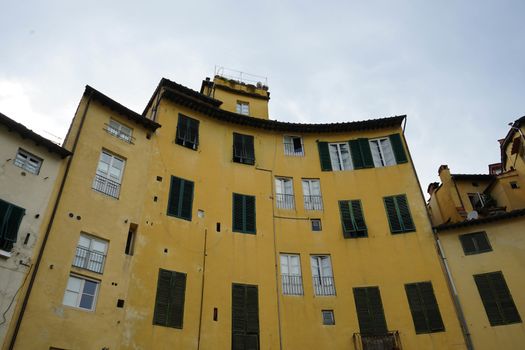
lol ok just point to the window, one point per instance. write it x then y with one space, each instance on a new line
169 302
243 151
130 241
81 292
245 317
187 132
424 308
316 224
180 201
370 314
91 253
382 152
292 282
340 156
323 279
284 193
328 317
293 146
28 161
243 213
118 130
10 218
242 108
475 243
514 185
109 174
497 299
398 214
312 194
352 219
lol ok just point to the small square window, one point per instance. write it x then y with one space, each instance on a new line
28 161
328 317
243 108
514 185
316 224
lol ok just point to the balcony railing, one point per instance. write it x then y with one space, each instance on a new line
292 284
291 150
312 202
106 186
26 165
119 134
89 260
324 285
387 341
285 201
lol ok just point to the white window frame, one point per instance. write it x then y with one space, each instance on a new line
336 157
242 107
105 181
28 161
309 196
80 293
120 130
289 146
89 256
291 281
284 197
330 320
382 152
322 275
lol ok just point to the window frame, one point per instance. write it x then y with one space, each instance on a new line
247 148
242 107
312 205
244 214
291 288
81 292
105 179
320 226
472 237
182 137
285 199
85 262
10 223
118 131
326 285
183 199
25 163
289 146
341 166
331 320
382 161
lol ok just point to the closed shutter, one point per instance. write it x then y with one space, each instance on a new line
238 211
249 209
475 243
398 214
187 200
324 156
361 154
399 150
435 323
162 300
245 317
424 308
177 294
174 199
181 198
468 244
496 298
352 219
404 213
482 242
416 308
252 309
243 208
391 212
370 312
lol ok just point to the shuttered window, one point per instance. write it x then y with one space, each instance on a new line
475 243
352 219
243 213
169 302
370 312
361 154
187 132
243 151
181 198
10 218
398 214
496 298
424 308
397 147
324 156
245 317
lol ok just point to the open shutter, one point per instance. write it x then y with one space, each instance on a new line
237 147
237 209
467 242
181 129
193 132
359 220
186 200
249 214
361 154
346 219
162 300
399 150
376 310
489 299
324 156
173 200
435 323
507 307
177 294
249 149
352 219
13 223
4 218
370 310
363 314
416 308
391 212
404 213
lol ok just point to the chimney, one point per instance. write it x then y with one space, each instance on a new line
432 188
444 173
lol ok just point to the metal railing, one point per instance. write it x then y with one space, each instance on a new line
89 260
386 341
106 186
290 150
312 202
324 285
292 284
119 134
285 201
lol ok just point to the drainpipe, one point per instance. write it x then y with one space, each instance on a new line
205 253
457 304
48 230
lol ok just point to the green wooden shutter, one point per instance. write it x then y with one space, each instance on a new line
416 308
393 218
193 132
177 296
249 214
249 149
10 218
162 300
181 130
397 147
506 303
186 203
496 298
174 198
361 154
359 220
489 299
346 219
435 323
238 308
252 310
370 312
352 219
324 156
180 200
238 211
468 244
245 317
404 213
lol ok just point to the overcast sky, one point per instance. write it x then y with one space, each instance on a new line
456 68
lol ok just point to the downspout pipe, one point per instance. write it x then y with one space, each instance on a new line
48 230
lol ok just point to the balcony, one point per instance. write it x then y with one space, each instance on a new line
89 260
108 187
387 341
324 285
285 201
313 202
292 284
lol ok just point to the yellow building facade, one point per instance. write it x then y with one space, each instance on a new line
479 221
203 224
